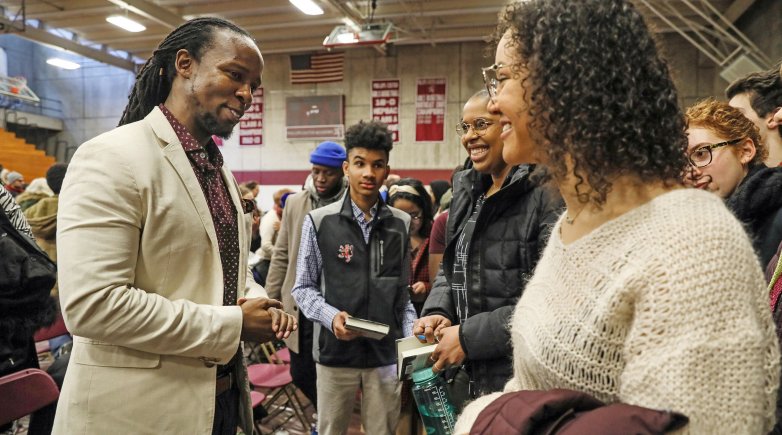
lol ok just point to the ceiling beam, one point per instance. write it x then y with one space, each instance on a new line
737 9
47 38
151 11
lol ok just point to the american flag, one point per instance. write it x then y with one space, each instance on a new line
317 68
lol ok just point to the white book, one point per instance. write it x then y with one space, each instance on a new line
411 355
367 328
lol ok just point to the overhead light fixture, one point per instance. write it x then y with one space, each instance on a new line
367 34
309 7
126 23
62 63
346 38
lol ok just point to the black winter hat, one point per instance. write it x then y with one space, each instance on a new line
54 176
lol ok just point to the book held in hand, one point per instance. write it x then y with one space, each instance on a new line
367 328
411 355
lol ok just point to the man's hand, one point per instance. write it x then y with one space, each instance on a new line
338 326
263 319
430 327
449 350
418 291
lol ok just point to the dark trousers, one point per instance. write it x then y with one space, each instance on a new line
226 412
261 271
302 364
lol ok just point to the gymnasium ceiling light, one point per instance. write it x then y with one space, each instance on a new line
126 23
62 63
309 7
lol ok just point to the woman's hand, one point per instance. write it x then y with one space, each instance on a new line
448 352
429 328
418 291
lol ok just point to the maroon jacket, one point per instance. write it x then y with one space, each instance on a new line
568 412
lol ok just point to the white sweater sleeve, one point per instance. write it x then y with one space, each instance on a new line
702 341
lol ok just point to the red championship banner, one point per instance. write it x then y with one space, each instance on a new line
430 110
251 124
385 104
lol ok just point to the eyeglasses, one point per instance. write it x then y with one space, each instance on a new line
701 156
415 216
479 126
490 78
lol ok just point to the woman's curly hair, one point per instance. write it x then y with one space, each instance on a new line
727 122
598 91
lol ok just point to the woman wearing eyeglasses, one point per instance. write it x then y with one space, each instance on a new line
410 196
726 157
497 225
647 293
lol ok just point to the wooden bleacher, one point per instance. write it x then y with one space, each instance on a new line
22 157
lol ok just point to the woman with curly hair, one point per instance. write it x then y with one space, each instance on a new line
726 157
647 294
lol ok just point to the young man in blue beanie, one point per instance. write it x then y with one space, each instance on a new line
325 185
354 261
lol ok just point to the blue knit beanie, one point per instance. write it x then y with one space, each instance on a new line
329 154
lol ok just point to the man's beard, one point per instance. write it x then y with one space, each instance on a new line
211 125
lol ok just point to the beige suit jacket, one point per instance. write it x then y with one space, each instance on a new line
141 288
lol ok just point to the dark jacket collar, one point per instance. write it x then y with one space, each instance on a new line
757 195
477 183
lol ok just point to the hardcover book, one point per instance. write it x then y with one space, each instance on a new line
411 355
367 328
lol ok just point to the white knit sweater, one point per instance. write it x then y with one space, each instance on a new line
663 307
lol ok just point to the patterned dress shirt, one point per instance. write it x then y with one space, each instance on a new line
207 162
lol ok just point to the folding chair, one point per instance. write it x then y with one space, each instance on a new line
284 354
275 377
24 392
274 355
257 398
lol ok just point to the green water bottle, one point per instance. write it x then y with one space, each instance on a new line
434 404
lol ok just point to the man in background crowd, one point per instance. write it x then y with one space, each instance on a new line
14 183
758 96
327 185
269 227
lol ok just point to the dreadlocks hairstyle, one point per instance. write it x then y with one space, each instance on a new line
598 91
153 81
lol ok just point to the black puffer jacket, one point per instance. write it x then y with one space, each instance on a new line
510 233
757 203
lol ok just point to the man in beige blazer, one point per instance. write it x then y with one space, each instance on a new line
153 242
325 185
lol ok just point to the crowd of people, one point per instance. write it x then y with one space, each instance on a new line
601 250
